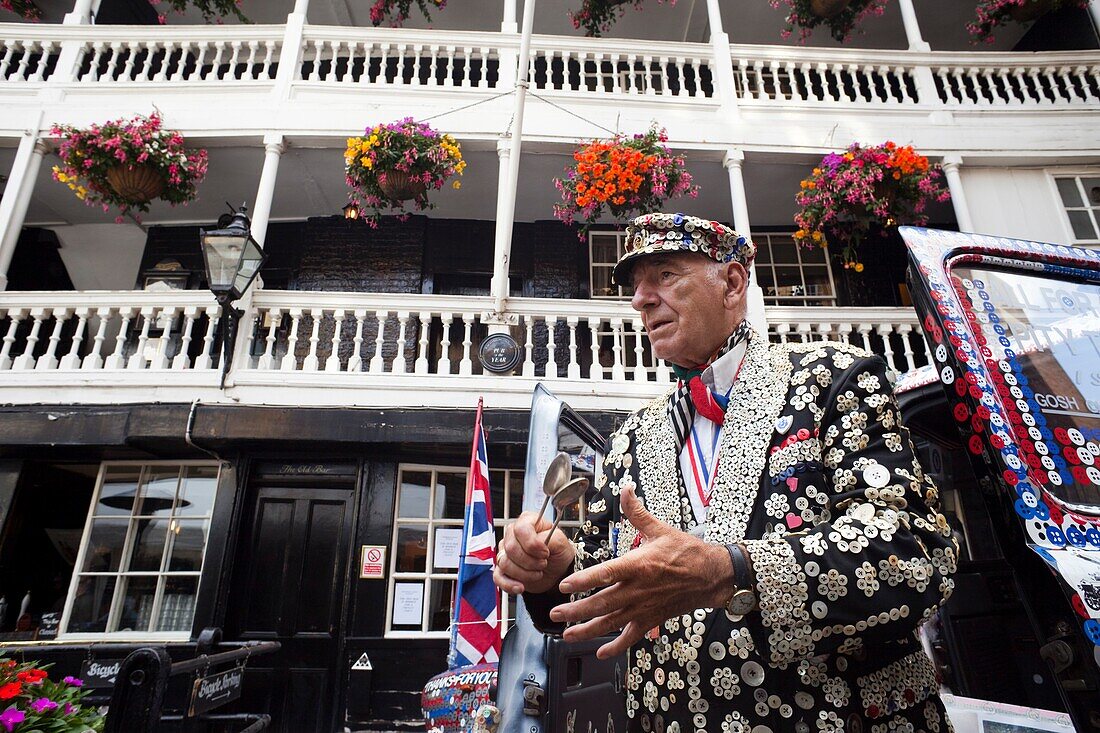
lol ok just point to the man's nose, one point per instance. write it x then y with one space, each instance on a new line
644 296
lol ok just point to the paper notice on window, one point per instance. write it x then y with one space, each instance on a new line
448 547
408 604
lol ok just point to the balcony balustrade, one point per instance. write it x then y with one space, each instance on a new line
325 348
378 58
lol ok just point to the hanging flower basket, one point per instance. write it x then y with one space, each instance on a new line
396 12
848 194
137 183
840 17
828 8
25 9
128 163
393 164
622 177
597 16
31 701
991 14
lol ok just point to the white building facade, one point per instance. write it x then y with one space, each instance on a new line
347 403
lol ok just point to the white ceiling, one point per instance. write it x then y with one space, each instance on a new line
746 21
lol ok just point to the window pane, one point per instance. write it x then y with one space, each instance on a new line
197 491
412 549
137 603
515 494
784 251
177 607
158 493
817 281
1082 225
92 603
412 500
1067 187
788 281
150 536
439 610
1092 190
605 248
601 282
813 254
408 606
765 279
450 495
188 537
119 488
496 483
105 542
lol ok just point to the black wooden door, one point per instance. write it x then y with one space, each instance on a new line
289 586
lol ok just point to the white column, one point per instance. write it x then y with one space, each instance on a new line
734 160
1094 11
912 28
17 197
500 256
291 55
508 21
300 7
723 66
950 166
80 14
274 147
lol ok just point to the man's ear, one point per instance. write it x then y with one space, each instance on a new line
737 284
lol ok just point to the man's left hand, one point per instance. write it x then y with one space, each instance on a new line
671 573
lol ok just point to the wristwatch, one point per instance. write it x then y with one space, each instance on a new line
743 600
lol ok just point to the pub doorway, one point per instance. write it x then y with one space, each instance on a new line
290 585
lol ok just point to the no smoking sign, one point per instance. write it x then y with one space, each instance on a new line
372 562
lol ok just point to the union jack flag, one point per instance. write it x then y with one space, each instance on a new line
475 628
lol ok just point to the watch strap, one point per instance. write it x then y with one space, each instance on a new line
742 577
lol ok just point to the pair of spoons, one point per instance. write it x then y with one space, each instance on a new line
561 489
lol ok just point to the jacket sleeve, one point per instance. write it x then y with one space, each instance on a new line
879 559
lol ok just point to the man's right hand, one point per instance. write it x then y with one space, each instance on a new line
524 563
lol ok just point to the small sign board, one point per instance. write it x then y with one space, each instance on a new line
47 629
499 353
372 562
215 690
99 673
362 663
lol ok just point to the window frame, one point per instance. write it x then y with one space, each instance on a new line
620 239
429 574
1093 211
143 468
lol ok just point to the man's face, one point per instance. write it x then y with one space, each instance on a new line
688 304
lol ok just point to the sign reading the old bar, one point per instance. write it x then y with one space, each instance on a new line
499 353
100 673
216 690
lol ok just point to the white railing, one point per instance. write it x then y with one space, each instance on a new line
108 332
358 57
297 347
379 58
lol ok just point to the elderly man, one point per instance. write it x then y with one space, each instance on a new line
763 534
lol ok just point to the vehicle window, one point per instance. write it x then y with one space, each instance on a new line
1040 339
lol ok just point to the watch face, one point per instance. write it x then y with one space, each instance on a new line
743 602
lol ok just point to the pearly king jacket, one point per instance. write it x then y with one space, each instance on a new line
820 481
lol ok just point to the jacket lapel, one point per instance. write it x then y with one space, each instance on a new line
658 464
755 403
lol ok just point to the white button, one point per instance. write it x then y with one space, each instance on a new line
752 673
1075 436
1086 457
876 475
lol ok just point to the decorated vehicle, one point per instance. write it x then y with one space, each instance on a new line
1014 328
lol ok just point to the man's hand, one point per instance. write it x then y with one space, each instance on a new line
671 573
524 563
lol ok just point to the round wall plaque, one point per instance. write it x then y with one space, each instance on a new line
499 353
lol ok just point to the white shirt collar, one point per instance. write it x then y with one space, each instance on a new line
719 375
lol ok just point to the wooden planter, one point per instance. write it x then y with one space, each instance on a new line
1031 10
828 8
136 183
400 186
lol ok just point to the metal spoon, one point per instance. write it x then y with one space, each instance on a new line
557 475
565 497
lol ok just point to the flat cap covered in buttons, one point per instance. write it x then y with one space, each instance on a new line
664 233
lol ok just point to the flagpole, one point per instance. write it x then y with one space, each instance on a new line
457 594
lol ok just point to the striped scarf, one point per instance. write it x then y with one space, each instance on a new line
693 396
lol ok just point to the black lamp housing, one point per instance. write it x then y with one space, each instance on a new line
231 256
